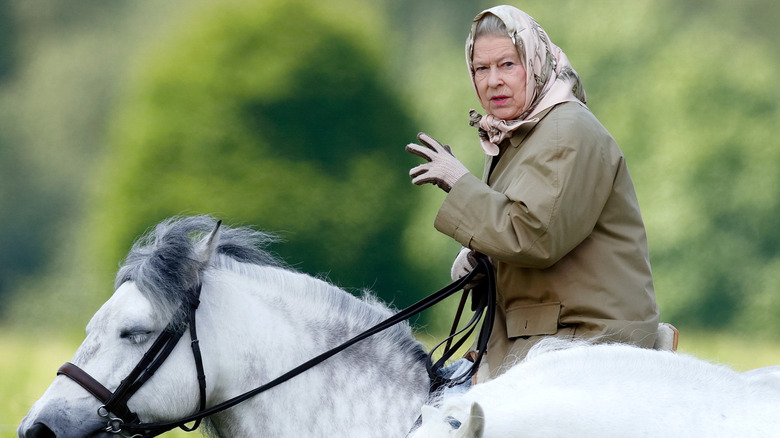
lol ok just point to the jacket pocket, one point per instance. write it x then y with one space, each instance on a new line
532 320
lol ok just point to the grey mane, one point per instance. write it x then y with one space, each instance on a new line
165 267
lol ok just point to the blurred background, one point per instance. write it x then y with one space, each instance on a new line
292 116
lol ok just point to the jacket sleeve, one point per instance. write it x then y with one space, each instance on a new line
560 180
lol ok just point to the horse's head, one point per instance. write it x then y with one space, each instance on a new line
117 337
437 424
151 286
250 304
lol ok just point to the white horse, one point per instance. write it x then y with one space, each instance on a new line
565 389
258 319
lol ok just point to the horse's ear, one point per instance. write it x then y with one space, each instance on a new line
429 413
474 426
207 248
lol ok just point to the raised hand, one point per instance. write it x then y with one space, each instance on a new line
442 168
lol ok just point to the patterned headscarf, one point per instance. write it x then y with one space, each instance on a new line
550 79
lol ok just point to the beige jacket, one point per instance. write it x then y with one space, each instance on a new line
560 220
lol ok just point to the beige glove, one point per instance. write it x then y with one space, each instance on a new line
463 264
442 168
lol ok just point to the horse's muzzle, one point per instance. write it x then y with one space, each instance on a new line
37 430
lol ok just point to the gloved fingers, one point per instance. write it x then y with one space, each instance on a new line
420 151
426 178
472 257
460 272
474 281
462 264
426 174
432 144
431 149
423 174
442 169
419 170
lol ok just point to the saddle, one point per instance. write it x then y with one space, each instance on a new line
666 340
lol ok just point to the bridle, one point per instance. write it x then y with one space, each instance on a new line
124 420
120 419
116 403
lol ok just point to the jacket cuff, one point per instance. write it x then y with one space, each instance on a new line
452 218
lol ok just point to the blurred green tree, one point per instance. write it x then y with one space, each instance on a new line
7 40
25 248
211 123
60 66
275 115
692 99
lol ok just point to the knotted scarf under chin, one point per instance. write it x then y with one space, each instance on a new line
492 130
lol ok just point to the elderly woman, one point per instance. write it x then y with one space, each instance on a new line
555 210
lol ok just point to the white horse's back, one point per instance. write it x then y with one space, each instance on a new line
614 391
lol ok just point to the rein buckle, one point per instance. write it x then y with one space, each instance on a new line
113 425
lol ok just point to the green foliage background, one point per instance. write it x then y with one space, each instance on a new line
292 117
290 128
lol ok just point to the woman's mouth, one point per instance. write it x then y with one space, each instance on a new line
499 100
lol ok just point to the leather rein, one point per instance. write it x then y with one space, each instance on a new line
121 419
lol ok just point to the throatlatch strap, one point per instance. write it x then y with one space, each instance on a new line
195 345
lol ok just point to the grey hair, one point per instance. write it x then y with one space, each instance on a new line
490 25
167 269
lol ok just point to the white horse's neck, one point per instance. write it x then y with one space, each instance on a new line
260 323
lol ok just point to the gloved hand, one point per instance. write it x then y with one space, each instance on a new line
463 264
442 168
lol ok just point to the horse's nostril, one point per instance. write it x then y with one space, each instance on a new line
39 430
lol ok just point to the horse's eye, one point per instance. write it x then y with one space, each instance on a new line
136 336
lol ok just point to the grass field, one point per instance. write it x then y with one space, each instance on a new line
29 363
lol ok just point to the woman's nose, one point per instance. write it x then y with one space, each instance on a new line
494 78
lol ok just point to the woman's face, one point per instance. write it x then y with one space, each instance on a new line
499 76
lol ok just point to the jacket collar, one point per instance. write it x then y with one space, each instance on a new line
522 132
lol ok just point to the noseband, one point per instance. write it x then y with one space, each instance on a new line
116 403
125 420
